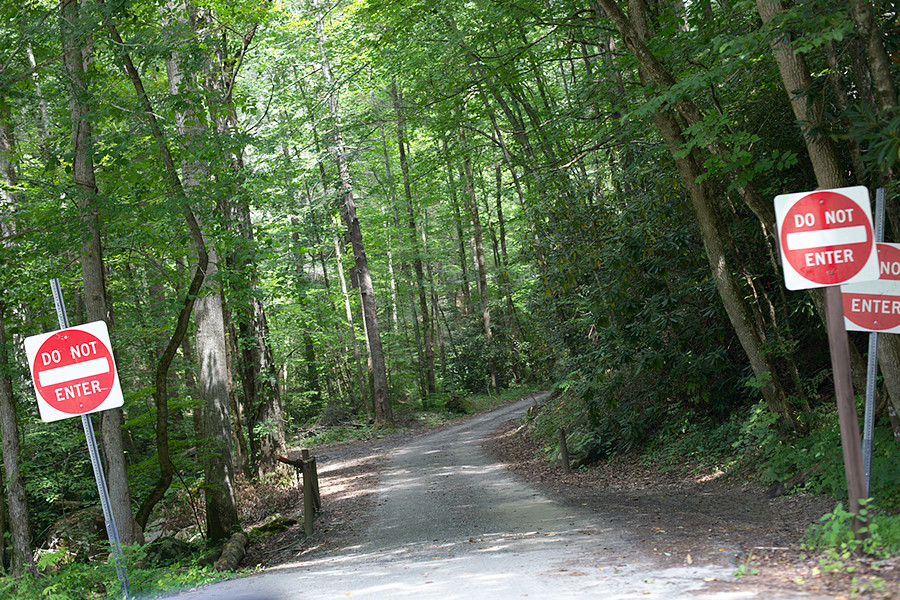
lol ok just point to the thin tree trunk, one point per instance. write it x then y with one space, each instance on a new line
879 63
427 329
463 263
360 377
383 411
302 283
78 52
478 244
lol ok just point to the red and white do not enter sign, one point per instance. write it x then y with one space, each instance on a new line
73 371
826 237
875 305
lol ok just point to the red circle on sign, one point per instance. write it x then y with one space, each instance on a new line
877 312
73 371
845 229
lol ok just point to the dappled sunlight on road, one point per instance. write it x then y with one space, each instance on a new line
451 524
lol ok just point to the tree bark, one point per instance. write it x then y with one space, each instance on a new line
259 377
219 487
22 560
877 58
212 361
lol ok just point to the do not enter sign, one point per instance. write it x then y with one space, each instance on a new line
826 237
73 371
875 305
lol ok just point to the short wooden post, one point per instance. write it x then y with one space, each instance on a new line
315 484
309 502
564 450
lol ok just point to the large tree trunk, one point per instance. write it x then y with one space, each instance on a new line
829 171
383 411
212 360
78 50
19 521
259 377
160 393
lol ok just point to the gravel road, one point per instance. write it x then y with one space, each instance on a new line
450 523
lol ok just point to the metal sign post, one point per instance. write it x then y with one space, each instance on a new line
872 367
111 530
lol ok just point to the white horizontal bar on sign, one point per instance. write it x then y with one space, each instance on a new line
803 240
88 368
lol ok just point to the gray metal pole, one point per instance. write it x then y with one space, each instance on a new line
872 366
111 529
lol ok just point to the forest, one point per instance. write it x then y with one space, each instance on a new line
303 214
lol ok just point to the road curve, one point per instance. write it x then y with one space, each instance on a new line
451 524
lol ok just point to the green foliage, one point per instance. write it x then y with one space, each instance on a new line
878 534
331 435
66 579
778 456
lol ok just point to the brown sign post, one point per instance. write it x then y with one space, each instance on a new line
826 238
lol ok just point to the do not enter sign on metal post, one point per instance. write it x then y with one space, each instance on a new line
73 371
826 237
875 305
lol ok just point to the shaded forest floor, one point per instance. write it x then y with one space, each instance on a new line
681 518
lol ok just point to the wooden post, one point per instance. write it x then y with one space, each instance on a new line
564 450
309 502
843 390
314 471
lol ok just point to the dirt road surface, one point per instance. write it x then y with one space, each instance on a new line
451 523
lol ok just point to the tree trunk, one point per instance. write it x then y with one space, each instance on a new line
712 229
77 58
822 153
877 58
21 560
219 488
302 283
212 361
478 247
259 377
360 377
383 411
178 337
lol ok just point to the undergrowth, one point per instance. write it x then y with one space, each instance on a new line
62 578
750 442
